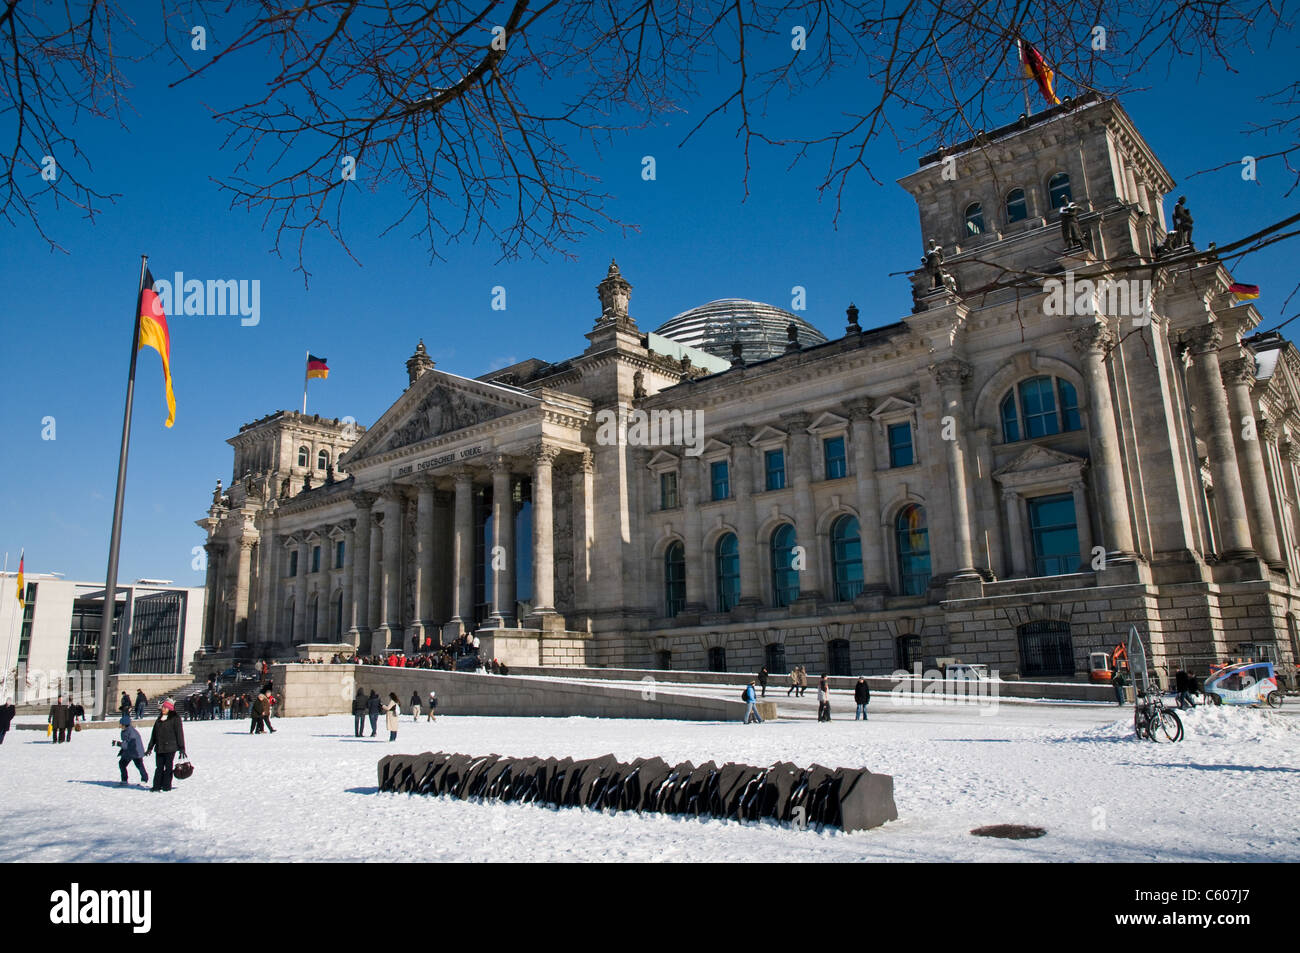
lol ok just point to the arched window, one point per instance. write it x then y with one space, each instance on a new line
675 579
1039 407
846 558
908 650
837 652
1017 208
717 659
785 578
1046 649
975 219
322 459
727 559
304 456
1058 191
913 551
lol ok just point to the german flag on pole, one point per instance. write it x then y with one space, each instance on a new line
1241 292
154 334
316 367
21 588
1036 69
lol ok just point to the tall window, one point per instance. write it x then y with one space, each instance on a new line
1046 649
1055 535
717 660
833 453
315 559
900 445
846 556
720 478
322 459
1058 191
293 562
304 457
774 465
913 551
338 554
837 652
727 559
1040 407
974 219
668 490
675 579
664 660
1017 209
785 578
774 658
907 649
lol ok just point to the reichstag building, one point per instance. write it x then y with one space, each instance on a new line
989 478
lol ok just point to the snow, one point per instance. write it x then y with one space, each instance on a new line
1227 792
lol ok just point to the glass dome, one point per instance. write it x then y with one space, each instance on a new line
760 327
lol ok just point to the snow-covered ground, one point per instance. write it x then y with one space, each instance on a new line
1228 792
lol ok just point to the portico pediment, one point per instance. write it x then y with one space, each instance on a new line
438 403
1040 465
768 436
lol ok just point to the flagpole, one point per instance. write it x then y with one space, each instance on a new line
110 581
306 361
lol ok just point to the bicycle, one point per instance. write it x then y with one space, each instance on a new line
1153 721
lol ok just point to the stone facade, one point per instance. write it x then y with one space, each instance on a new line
1030 462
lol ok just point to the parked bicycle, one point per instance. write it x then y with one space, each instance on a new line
1153 721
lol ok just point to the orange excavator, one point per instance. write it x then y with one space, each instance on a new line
1104 665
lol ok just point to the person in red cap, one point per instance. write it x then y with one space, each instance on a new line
167 739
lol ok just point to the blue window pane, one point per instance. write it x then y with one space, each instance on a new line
1010 422
728 568
785 578
913 539
338 554
836 464
846 555
1017 210
1039 404
1058 191
1055 535
1069 406
675 579
774 463
293 563
667 491
900 445
720 480
315 559
974 219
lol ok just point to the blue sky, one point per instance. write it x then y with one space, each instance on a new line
67 317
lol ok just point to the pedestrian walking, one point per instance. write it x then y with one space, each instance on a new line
803 681
794 681
76 715
824 699
415 706
140 702
392 713
762 679
124 706
372 710
7 712
359 713
433 703
751 704
269 708
59 720
1117 682
1183 685
861 696
167 739
132 751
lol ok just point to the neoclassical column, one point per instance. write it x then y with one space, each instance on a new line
543 530
1238 378
583 510
1082 522
951 376
1215 424
345 622
986 503
439 610
300 591
462 556
862 431
502 557
692 531
264 611
210 634
390 627
375 612
424 623
742 465
1093 343
1016 530
359 558
243 574
805 514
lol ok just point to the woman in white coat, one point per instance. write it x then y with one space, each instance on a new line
392 713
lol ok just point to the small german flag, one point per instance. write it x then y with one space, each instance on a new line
1036 69
154 334
316 367
1242 292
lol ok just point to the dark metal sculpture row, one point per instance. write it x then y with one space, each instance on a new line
847 798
